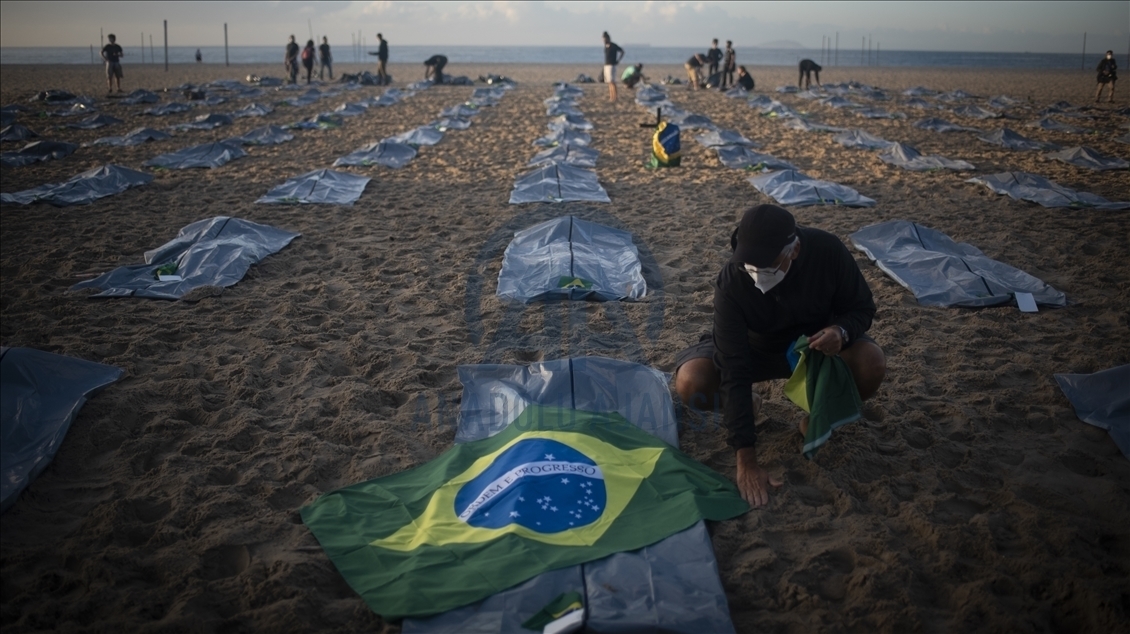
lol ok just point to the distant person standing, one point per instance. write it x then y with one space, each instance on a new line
612 56
713 55
1108 74
112 54
694 70
199 57
326 58
308 59
807 67
290 59
729 64
382 60
433 68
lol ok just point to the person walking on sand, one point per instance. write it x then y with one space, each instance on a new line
1108 74
783 281
199 57
290 59
112 54
729 65
326 59
382 60
612 56
308 54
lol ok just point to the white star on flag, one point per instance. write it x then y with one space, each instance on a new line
549 456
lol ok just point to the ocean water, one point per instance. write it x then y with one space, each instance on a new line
345 53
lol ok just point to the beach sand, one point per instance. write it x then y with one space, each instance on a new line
970 498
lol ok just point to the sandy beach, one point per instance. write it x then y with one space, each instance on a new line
970 498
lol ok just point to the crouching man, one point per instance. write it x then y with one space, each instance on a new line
782 281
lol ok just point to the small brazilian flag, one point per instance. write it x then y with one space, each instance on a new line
568 281
556 488
822 386
665 148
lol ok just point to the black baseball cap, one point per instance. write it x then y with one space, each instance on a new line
765 230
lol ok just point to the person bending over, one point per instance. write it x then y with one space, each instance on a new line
632 76
694 70
612 56
112 55
433 68
782 281
807 67
1108 74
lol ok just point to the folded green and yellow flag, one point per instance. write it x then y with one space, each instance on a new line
824 387
556 488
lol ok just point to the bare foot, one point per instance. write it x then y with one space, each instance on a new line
802 425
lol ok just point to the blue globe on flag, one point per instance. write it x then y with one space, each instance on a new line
543 485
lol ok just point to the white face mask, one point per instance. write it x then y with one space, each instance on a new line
765 278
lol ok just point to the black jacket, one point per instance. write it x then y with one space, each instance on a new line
1108 70
823 286
382 51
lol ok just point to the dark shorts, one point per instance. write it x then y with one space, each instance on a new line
769 365
113 69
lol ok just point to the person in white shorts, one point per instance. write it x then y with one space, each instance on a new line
612 56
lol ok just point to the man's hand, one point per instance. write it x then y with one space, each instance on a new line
829 341
753 481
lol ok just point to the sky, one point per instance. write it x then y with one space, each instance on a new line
1036 27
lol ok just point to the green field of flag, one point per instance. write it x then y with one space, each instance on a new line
556 488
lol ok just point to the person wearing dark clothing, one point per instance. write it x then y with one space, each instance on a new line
199 57
1108 74
807 67
291 60
612 56
433 67
308 55
729 64
382 60
694 70
326 58
745 80
782 281
112 55
713 55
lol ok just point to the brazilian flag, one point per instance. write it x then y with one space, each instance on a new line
556 488
665 149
